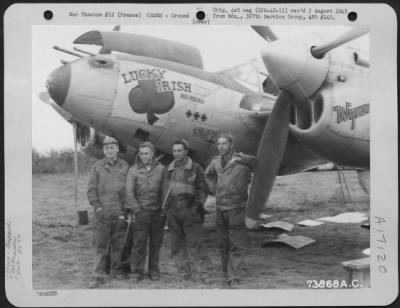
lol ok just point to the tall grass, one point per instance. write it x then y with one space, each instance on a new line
59 161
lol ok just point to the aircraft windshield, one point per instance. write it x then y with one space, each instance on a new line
269 87
250 77
247 76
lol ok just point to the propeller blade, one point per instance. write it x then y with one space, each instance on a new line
265 32
269 157
74 127
319 51
45 97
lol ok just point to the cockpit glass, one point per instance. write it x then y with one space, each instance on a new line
249 76
269 87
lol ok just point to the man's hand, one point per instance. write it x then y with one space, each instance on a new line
234 159
247 160
129 213
238 156
98 213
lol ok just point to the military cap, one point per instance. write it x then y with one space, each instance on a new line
147 144
109 140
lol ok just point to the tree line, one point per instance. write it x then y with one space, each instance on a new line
59 161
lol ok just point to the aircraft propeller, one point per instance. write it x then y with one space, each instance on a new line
45 98
319 51
276 131
269 156
265 32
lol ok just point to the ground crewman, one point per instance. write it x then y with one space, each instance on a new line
143 197
184 194
106 193
229 175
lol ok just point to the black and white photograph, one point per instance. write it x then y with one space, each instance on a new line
137 90
226 158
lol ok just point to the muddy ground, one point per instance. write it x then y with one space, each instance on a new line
62 253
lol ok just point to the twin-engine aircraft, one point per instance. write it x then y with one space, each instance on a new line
312 107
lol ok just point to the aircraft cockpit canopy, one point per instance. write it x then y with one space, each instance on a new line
249 76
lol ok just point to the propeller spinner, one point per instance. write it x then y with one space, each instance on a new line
291 65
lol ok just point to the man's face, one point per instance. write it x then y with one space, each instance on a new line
110 150
179 152
224 146
146 155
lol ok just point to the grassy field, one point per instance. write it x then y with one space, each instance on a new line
63 255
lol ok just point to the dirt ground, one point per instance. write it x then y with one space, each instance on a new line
62 251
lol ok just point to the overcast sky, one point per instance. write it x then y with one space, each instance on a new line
221 47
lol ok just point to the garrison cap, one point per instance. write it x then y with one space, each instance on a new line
147 144
109 140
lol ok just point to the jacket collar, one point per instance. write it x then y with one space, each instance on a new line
229 162
140 165
109 162
229 156
188 165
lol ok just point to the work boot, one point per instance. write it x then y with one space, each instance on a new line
196 277
187 276
95 282
120 276
203 280
234 284
225 268
154 276
138 276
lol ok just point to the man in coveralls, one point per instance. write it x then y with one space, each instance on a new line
106 193
229 175
184 194
143 197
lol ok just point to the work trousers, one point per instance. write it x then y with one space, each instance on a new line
232 240
107 241
187 233
148 232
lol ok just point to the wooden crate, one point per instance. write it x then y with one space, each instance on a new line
358 270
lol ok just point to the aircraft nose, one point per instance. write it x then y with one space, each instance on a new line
58 83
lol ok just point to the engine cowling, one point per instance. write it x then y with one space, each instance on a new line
334 124
91 143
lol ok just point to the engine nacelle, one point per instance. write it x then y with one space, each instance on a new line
91 143
334 122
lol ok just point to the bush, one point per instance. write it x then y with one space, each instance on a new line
60 161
